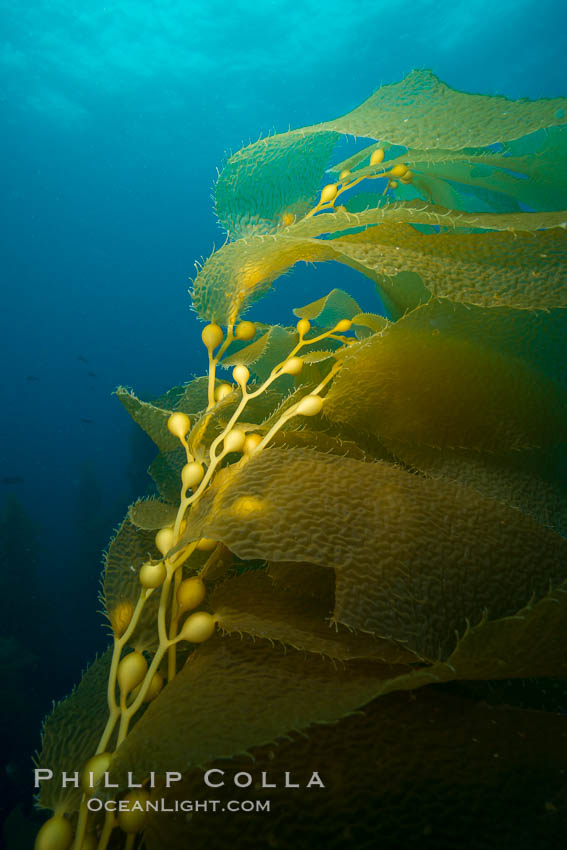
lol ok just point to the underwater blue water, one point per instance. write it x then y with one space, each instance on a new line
114 118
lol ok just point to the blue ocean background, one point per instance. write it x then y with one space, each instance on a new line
115 117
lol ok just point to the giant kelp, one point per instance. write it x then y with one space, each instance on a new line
368 506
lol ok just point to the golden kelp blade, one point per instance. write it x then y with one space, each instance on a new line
269 183
415 558
523 264
241 272
423 112
71 734
517 269
449 761
534 482
250 604
234 694
451 376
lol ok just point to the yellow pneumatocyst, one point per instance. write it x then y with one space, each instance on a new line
198 627
164 539
152 575
97 766
399 170
251 443
303 326
245 331
241 375
328 193
120 617
133 820
293 366
179 424
343 175
377 156
191 475
287 219
154 688
190 593
212 335
55 834
343 325
205 544
310 405
131 671
234 440
222 391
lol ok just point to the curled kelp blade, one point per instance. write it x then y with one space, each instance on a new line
327 311
71 733
274 181
233 694
251 604
515 259
419 774
415 558
454 376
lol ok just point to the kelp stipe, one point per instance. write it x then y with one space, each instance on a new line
364 505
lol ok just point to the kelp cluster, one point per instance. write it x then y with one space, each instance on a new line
365 505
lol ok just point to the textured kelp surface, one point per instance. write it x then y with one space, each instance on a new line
354 560
493 774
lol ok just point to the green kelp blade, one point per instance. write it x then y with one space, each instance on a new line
281 174
166 473
415 558
454 376
241 272
323 442
426 773
423 112
534 482
195 395
517 269
210 424
521 264
71 733
532 639
152 419
128 550
326 312
233 694
152 514
532 170
366 324
252 605
274 176
262 355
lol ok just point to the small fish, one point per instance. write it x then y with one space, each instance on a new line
87 421
32 378
82 359
12 479
91 374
